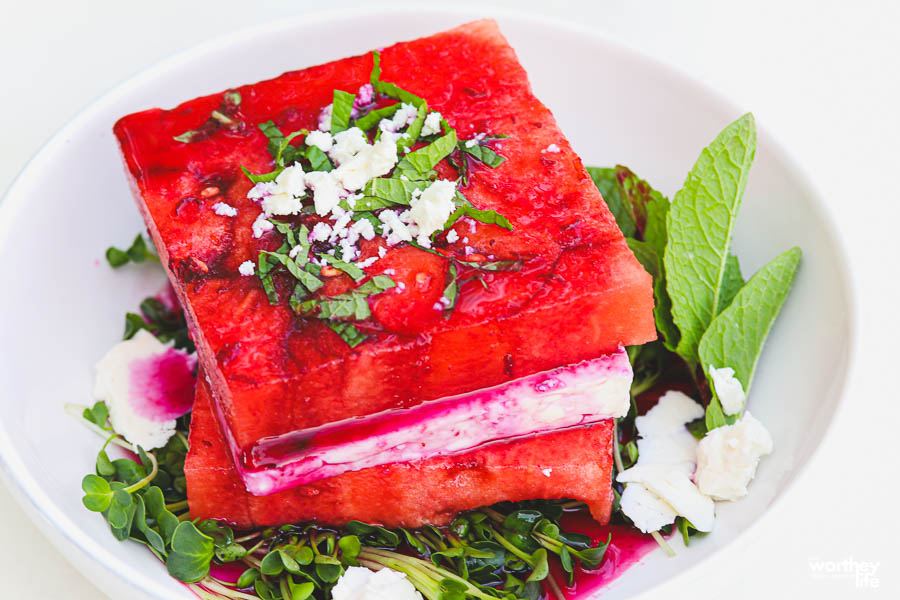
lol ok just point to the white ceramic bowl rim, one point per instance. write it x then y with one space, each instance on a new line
23 483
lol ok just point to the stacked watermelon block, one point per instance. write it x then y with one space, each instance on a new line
581 293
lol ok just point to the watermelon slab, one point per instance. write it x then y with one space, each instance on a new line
573 463
581 293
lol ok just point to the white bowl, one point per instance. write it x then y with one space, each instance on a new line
63 306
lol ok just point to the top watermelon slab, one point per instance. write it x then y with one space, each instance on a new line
580 294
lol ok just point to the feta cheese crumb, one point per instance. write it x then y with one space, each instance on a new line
225 210
347 144
676 489
381 252
547 472
365 96
728 389
728 456
432 124
261 190
393 229
327 191
476 139
367 262
261 225
247 268
401 285
320 233
437 306
552 148
320 139
359 583
325 118
646 509
142 408
432 208
452 236
370 162
363 228
404 117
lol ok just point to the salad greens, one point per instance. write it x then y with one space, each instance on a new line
705 314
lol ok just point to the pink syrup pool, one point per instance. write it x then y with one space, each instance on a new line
161 387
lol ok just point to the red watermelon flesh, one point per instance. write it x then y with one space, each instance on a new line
581 293
572 463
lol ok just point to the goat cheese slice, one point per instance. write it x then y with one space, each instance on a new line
146 386
359 583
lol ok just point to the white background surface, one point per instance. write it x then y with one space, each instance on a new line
823 76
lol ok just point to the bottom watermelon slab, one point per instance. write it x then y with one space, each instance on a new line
573 463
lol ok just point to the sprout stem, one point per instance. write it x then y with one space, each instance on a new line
554 587
663 543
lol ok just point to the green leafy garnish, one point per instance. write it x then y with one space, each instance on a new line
352 305
224 116
349 268
340 111
138 252
700 223
736 336
426 158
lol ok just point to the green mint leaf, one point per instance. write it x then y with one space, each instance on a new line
373 118
192 552
732 282
736 336
389 89
349 268
483 154
274 135
699 226
318 160
495 265
384 192
488 217
426 158
451 289
341 108
348 332
606 181
646 255
261 177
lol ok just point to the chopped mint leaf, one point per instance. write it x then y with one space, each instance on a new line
373 118
222 116
261 177
495 265
384 192
488 217
318 160
138 252
736 336
426 158
349 333
699 225
389 89
349 268
483 154
451 289
340 111
351 305
414 130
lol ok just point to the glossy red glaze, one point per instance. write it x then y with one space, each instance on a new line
580 295
404 494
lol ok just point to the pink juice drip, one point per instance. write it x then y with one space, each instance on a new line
162 386
626 548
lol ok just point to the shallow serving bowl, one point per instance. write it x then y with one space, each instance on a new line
63 307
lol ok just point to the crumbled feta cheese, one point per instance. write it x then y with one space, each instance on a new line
404 178
349 252
728 389
552 148
261 225
281 204
365 96
261 190
339 230
452 236
476 139
364 228
247 268
728 456
367 262
353 198
225 210
325 118
666 460
432 124
320 233
473 225
327 191
295 251
393 229
547 472
404 117
381 252
370 162
433 207
142 405
359 583
438 306
320 139
347 144
291 180
469 250
401 285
